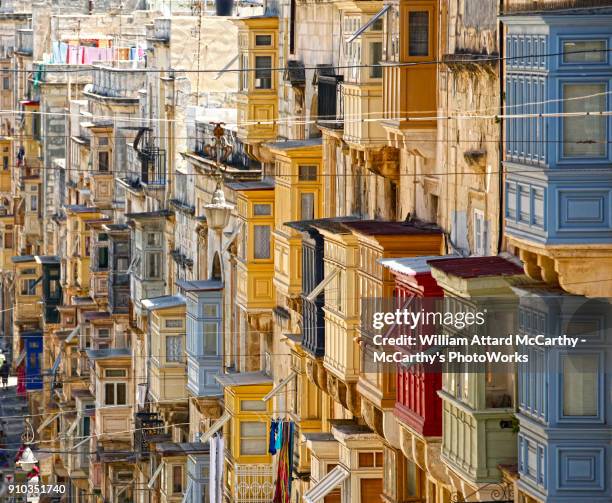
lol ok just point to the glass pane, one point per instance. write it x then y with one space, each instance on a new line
307 205
580 385
174 348
210 310
121 393
307 173
263 72
253 405
584 51
584 136
252 429
109 394
263 39
418 33
210 338
375 59
262 241
253 447
262 209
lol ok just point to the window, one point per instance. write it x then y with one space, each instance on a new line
115 393
210 338
154 239
263 39
103 140
262 241
33 202
103 333
307 173
584 136
478 233
375 59
584 51
263 72
253 436
6 83
28 287
253 406
307 206
103 257
174 323
154 261
115 373
262 209
210 310
580 385
5 163
103 161
174 348
8 240
245 74
292 11
418 33
122 264
177 479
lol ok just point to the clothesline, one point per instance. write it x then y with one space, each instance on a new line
66 54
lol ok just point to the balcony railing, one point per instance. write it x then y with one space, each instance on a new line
153 166
529 6
330 104
235 156
252 483
148 428
118 81
25 41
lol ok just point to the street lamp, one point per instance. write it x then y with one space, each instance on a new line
218 211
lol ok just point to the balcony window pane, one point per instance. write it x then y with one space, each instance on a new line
262 241
174 348
210 338
580 385
153 265
103 161
418 33
109 393
307 206
307 173
253 438
177 479
121 393
584 51
375 59
263 39
584 136
263 72
103 257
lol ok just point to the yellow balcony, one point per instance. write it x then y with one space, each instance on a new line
255 265
257 97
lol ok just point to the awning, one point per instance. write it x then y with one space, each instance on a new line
47 422
371 21
188 492
216 426
321 286
153 478
326 485
73 334
280 386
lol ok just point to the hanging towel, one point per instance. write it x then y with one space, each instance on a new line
279 436
272 447
63 52
57 53
220 466
212 471
290 441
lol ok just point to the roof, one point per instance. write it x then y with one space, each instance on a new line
410 265
116 227
107 354
79 208
163 302
48 259
385 228
182 448
295 144
199 285
333 225
476 267
17 259
243 379
257 185
96 315
307 225
150 214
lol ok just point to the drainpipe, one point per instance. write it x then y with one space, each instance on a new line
500 35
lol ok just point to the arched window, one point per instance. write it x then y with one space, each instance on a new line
216 268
